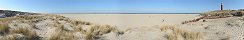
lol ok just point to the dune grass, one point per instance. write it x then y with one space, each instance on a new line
3 28
218 13
15 34
12 37
177 33
224 13
29 34
60 34
80 23
20 34
93 33
97 30
7 19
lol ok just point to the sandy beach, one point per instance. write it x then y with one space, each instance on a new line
128 20
157 26
135 26
220 25
121 20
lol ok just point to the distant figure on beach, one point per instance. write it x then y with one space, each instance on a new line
163 20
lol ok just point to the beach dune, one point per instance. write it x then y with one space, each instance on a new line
213 25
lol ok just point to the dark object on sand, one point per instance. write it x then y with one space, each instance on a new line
203 20
163 20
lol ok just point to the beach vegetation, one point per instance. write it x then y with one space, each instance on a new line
28 34
95 31
81 23
3 28
178 33
223 13
60 34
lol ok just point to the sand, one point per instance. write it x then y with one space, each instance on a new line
135 26
126 27
126 20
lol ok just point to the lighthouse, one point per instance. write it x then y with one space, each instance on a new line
222 6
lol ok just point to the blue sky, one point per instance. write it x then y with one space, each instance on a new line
118 6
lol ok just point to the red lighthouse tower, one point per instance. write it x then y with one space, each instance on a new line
222 6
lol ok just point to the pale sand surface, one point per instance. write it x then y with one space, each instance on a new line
135 26
148 26
133 19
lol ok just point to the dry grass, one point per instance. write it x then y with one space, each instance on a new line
60 34
177 33
20 34
97 30
3 28
7 19
26 17
218 13
80 23
92 33
172 37
29 34
223 13
12 37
